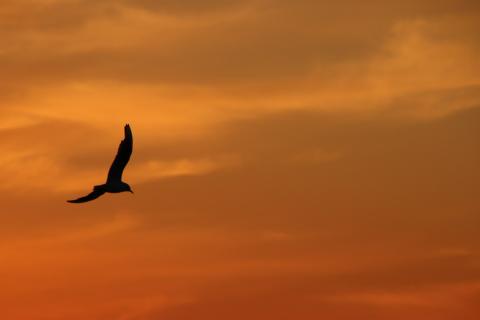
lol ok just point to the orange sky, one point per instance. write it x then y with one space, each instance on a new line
292 159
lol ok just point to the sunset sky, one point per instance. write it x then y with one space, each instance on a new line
293 160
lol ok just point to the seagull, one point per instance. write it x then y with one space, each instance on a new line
114 182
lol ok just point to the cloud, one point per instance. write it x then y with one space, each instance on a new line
120 223
304 60
154 170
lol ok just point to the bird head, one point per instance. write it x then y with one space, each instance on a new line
126 187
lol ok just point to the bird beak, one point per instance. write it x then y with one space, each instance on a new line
130 191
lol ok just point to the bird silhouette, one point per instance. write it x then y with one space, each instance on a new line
114 182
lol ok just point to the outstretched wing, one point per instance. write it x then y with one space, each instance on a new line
97 192
122 157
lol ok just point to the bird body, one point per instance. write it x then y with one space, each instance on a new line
114 183
115 187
